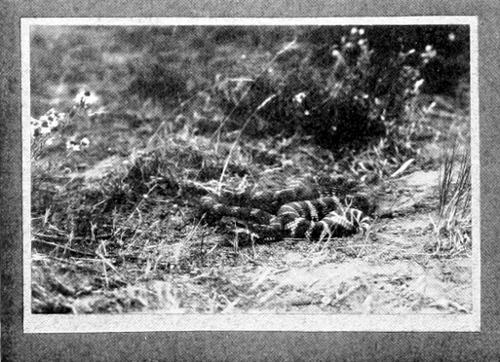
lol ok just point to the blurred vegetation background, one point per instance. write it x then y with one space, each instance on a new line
127 66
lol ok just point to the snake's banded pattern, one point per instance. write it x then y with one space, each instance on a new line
315 219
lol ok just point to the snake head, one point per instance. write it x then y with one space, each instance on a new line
244 236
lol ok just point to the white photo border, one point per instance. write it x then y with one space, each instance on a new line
161 322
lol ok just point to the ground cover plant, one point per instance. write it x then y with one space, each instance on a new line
134 128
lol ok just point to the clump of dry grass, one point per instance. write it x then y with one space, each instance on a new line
454 222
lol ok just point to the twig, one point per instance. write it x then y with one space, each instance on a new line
77 262
60 238
343 296
213 248
403 168
59 246
251 260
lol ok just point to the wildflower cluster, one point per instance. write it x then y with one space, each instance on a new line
43 129
85 98
46 129
47 123
77 144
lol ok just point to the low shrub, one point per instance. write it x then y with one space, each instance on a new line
332 92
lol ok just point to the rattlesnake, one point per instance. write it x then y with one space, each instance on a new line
297 211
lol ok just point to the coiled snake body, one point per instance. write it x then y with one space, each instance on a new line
313 218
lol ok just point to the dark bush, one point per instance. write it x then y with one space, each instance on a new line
341 84
333 102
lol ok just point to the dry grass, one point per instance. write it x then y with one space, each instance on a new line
141 222
454 222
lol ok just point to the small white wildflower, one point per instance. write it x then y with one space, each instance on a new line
429 53
60 116
45 130
72 144
50 141
243 56
85 97
451 37
361 31
299 97
307 113
50 121
52 114
84 142
354 31
35 124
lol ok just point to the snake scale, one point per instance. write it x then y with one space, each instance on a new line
297 211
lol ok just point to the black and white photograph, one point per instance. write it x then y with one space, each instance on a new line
265 174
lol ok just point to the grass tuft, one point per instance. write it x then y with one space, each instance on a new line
454 222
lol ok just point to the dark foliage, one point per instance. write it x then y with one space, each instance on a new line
156 81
